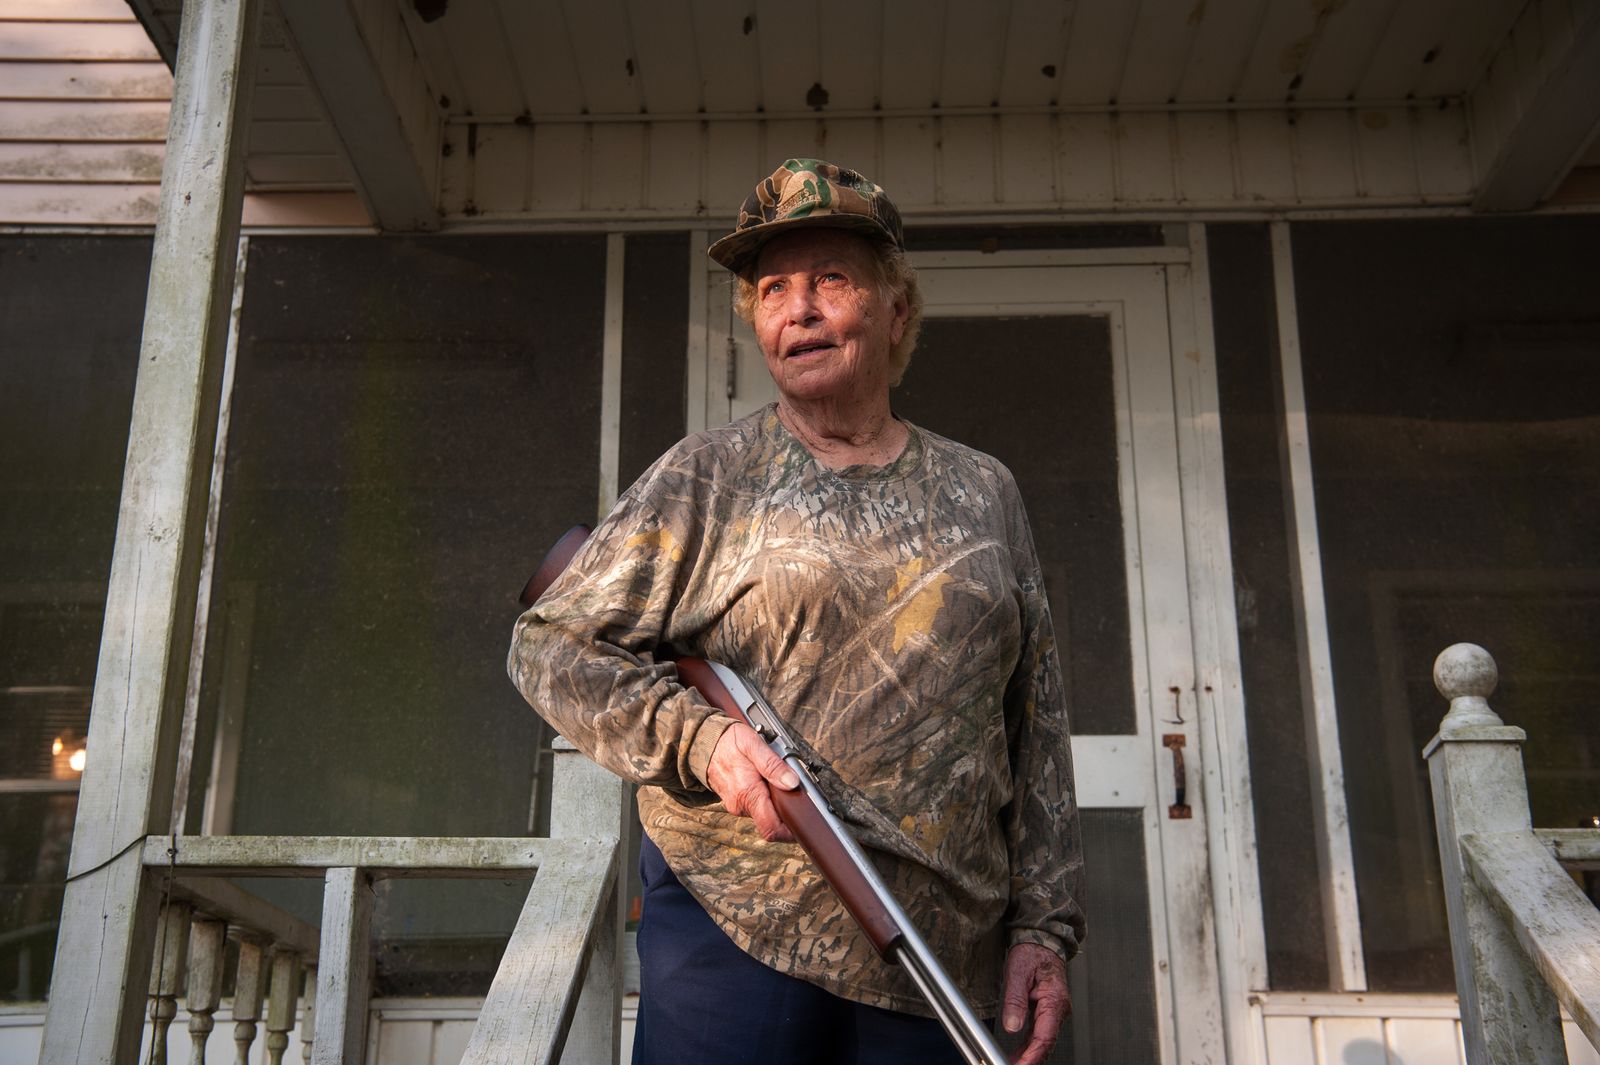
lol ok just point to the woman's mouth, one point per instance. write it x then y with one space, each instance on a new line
800 351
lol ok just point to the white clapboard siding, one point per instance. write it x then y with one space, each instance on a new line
1024 163
84 101
83 113
68 79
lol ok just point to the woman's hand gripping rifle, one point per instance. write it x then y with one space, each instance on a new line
810 818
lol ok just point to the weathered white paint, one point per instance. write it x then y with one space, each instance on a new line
228 737
208 554
204 990
167 975
1508 1013
83 124
84 112
110 905
696 347
1047 160
1336 866
1574 848
1235 105
1224 751
611 374
456 857
633 56
250 988
534 997
1555 924
344 968
587 801
282 998
308 1015
1537 105
360 65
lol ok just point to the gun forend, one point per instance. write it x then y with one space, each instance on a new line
810 828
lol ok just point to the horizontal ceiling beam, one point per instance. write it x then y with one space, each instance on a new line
1538 104
380 105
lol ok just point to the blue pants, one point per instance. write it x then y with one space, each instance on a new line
703 1001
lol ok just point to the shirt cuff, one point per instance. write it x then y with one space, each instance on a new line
1062 948
705 741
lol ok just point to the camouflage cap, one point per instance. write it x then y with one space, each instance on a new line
807 192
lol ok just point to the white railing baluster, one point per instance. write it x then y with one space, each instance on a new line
248 989
281 1000
564 949
308 1015
166 976
207 938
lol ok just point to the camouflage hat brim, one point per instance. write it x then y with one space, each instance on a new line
740 250
807 192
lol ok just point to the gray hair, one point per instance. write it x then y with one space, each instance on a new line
892 276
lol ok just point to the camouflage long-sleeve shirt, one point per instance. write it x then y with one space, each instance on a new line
896 618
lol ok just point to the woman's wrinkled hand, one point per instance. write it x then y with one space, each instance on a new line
1036 979
741 771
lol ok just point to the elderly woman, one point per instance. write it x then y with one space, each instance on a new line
879 584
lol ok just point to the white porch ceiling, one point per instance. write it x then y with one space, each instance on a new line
668 109
682 58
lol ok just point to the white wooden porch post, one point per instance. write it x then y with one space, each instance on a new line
586 801
1508 1014
105 945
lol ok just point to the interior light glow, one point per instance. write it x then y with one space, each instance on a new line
78 760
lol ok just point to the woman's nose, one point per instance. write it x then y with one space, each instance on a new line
801 304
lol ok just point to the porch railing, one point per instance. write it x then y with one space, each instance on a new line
1525 939
558 987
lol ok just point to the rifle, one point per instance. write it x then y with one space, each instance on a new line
811 818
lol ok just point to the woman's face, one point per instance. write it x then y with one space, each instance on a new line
823 326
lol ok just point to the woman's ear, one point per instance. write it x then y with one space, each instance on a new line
900 308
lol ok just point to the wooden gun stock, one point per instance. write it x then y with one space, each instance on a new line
811 830
555 561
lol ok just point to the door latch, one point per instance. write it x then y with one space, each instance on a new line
1179 810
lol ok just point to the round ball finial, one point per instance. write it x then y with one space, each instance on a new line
1466 674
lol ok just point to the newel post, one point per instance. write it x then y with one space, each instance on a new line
587 801
1508 1015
